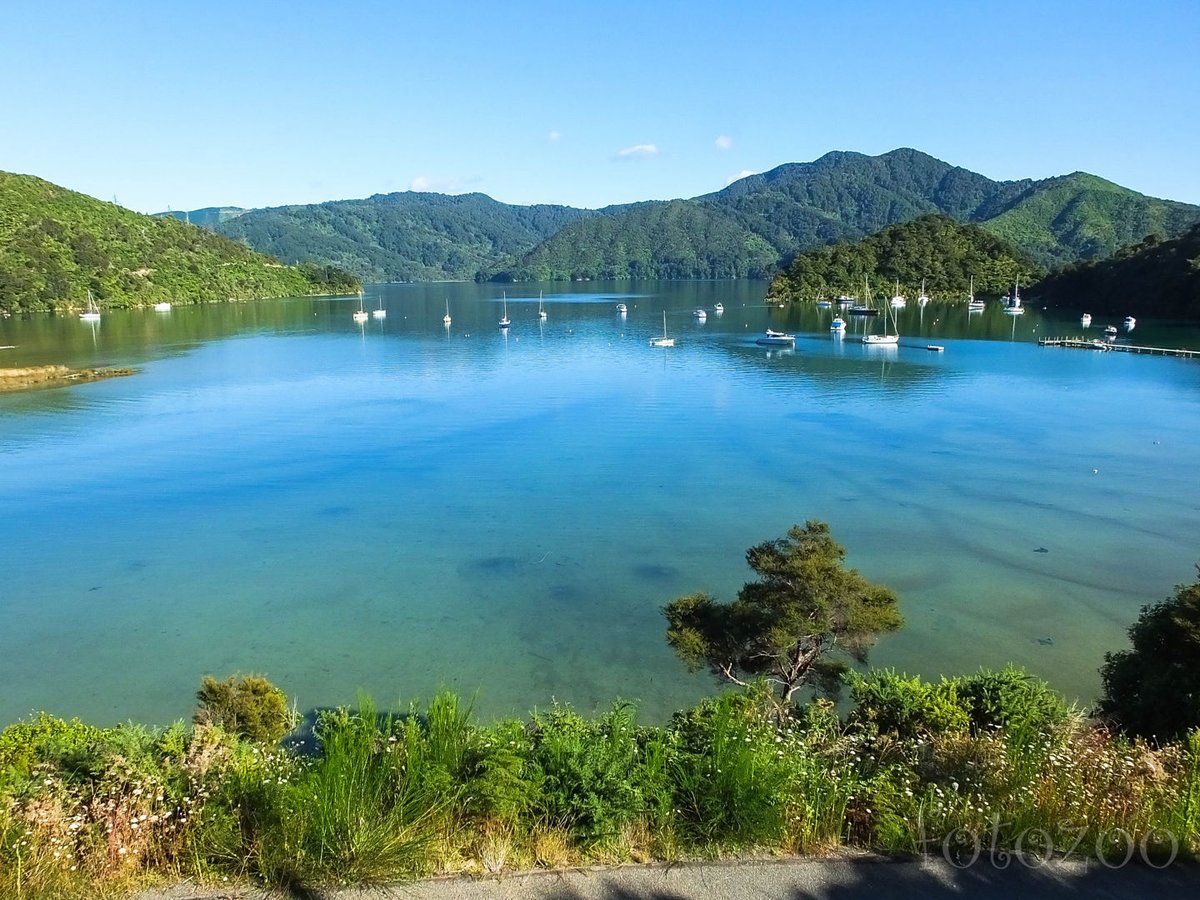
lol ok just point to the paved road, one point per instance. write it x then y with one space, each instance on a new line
931 879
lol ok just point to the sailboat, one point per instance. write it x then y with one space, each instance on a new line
541 311
446 317
897 299
663 341
924 298
972 303
505 321
884 338
360 314
1014 304
380 313
93 311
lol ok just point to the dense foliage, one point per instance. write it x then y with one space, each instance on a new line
677 239
1153 689
914 768
246 705
934 251
403 236
1154 277
793 624
56 245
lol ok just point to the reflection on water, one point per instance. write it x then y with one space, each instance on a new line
404 505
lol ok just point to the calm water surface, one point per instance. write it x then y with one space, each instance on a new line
401 506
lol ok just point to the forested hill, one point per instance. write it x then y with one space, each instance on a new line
743 230
1154 278
403 236
935 250
56 245
842 197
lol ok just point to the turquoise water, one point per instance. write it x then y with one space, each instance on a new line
399 506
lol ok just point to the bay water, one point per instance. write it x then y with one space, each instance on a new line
395 506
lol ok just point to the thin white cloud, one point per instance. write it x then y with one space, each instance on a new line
739 176
723 142
638 151
453 185
554 136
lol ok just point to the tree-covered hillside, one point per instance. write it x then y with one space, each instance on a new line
675 239
404 236
1082 217
936 250
56 245
1155 277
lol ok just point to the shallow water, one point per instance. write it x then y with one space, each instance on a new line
400 506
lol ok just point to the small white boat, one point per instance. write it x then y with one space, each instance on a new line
504 319
360 314
1086 320
973 305
838 324
936 348
663 341
446 317
92 313
1129 323
881 339
700 314
898 301
824 304
844 301
923 300
379 313
719 308
1111 330
541 311
776 339
622 309
162 307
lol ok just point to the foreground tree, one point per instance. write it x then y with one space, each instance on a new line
794 625
1153 689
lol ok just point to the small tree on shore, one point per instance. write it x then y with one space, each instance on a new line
794 625
1153 689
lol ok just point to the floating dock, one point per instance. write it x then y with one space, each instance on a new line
1079 343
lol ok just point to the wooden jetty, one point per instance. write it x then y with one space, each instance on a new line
1080 343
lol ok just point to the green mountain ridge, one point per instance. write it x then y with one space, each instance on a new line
405 236
750 228
56 245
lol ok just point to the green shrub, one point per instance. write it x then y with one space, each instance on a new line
589 771
1011 700
500 780
248 706
907 708
24 744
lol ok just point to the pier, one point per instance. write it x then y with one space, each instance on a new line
1080 343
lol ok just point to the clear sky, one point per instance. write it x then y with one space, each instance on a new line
258 103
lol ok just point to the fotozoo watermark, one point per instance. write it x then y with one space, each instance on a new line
1034 847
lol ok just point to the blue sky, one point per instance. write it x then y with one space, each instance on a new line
586 104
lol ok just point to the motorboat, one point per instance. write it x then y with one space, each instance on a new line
162 307
859 309
622 309
1110 330
719 308
1129 323
700 314
838 324
1086 320
776 339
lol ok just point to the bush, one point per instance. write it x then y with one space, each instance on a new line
24 744
907 708
1018 703
248 706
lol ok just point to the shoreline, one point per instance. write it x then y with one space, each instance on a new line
30 377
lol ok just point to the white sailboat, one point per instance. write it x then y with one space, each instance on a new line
360 314
92 314
897 299
379 313
541 311
885 338
1014 304
446 317
504 320
663 341
924 298
972 303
